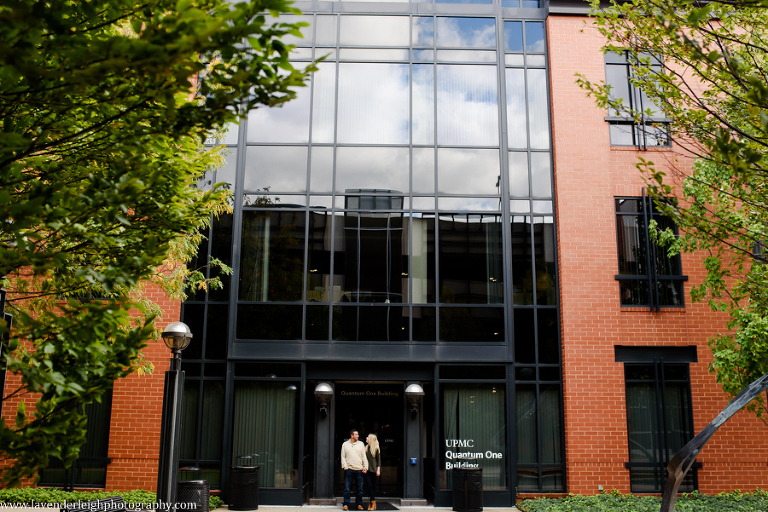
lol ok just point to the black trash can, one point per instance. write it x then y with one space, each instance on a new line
244 488
468 489
196 493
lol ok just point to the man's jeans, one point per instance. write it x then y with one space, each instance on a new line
357 476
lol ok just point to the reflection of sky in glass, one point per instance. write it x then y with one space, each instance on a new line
374 31
423 164
468 203
538 115
325 30
373 103
541 175
513 36
423 104
287 123
279 168
518 174
371 167
423 31
534 36
321 170
467 171
467 105
324 102
516 124
475 56
463 1
466 32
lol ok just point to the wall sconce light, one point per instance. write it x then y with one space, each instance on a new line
323 395
414 393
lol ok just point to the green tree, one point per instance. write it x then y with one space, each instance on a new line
713 86
105 105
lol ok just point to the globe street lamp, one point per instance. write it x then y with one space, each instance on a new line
176 337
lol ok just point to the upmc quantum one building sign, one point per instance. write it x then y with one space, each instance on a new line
466 459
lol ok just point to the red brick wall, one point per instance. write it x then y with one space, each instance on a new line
134 440
588 175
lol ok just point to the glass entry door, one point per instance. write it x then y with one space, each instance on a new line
372 409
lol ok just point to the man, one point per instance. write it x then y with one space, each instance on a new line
355 464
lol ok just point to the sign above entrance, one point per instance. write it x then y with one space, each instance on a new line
371 393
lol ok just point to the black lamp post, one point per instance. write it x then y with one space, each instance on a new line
176 337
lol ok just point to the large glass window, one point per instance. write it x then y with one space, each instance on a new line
651 130
647 275
474 433
265 427
659 422
471 269
272 256
539 434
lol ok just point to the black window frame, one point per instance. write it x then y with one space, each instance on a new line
660 368
652 278
650 128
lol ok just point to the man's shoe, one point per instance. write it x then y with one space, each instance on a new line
359 507
345 507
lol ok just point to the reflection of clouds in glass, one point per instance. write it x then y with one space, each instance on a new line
325 30
475 56
279 168
423 164
541 175
467 171
469 203
423 104
321 169
516 123
324 81
466 32
518 174
534 36
423 31
371 167
374 31
467 110
373 103
538 114
513 36
288 123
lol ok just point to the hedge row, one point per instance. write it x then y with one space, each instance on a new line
617 502
39 495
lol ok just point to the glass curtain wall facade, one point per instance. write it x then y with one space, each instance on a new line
400 208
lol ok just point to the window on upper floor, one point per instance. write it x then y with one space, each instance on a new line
647 276
652 130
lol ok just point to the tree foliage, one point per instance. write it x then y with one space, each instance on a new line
105 105
713 86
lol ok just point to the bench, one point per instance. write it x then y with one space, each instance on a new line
114 504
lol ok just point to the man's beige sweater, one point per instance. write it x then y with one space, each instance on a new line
353 456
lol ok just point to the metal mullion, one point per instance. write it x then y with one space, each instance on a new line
649 265
661 421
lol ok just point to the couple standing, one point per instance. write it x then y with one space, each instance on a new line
360 460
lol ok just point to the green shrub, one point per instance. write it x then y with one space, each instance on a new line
617 502
31 495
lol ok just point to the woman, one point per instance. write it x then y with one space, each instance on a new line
373 453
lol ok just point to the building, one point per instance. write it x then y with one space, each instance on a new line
442 206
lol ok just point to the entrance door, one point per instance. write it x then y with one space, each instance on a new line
372 409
